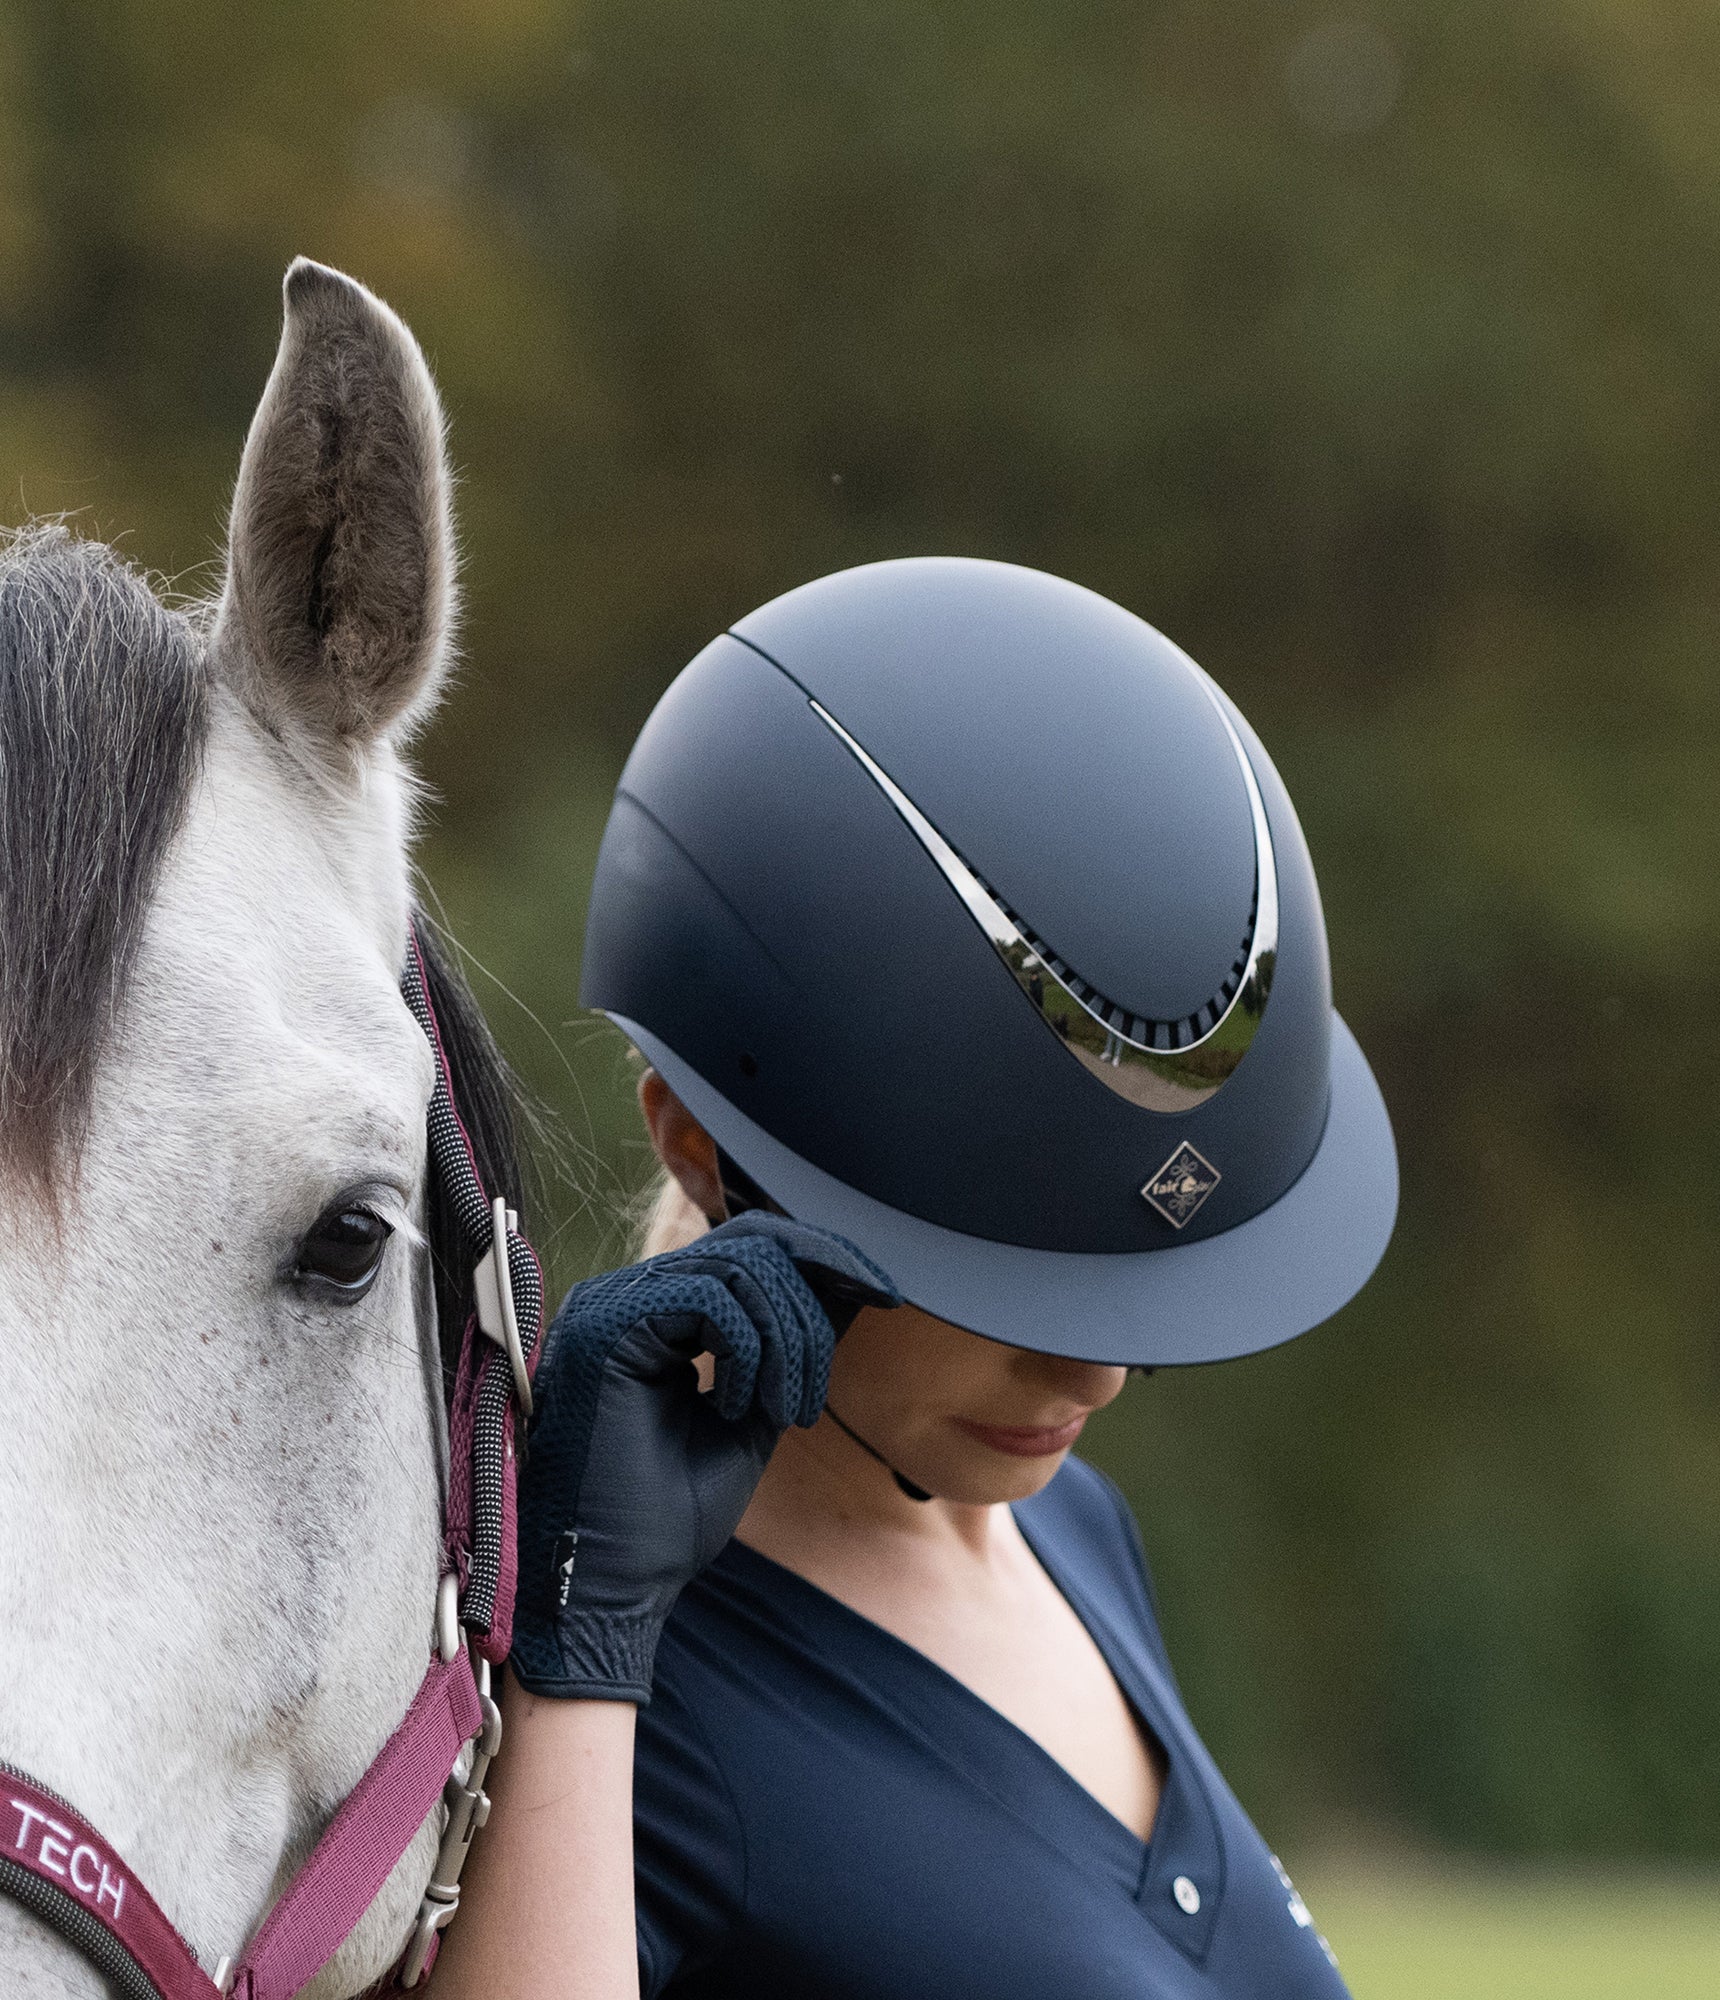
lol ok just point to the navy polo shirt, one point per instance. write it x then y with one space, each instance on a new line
821 1813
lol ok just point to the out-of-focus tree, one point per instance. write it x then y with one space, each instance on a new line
1372 352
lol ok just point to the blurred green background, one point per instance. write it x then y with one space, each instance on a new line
1374 355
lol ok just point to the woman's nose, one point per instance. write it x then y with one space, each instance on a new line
1092 1384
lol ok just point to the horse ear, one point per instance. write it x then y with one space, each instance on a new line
335 616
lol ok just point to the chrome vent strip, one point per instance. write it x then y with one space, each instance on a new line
1173 1075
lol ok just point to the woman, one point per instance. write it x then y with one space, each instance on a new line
963 921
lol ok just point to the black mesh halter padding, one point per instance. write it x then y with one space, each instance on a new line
66 1915
453 1164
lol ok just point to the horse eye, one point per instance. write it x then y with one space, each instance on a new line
342 1252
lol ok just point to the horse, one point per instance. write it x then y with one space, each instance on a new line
223 1264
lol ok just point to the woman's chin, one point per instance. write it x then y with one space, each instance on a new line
986 1478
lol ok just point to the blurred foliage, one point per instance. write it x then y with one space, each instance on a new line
1372 354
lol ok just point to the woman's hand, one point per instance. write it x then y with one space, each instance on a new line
635 1480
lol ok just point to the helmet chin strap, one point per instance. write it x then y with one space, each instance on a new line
903 1482
741 1192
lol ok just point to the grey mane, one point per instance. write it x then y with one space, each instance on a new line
103 711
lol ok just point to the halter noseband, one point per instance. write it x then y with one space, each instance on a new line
59 1867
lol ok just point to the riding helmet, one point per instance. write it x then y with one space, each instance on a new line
971 919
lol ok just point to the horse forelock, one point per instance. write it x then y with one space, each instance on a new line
103 714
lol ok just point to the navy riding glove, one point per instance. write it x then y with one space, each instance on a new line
635 1480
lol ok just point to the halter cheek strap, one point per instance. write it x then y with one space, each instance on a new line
498 1355
59 1867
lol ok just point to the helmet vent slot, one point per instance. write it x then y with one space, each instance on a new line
1144 1031
1169 1065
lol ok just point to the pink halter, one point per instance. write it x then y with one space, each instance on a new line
59 1867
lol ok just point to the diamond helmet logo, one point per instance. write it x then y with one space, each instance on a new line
1181 1185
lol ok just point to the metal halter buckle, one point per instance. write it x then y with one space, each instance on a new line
468 1808
493 1290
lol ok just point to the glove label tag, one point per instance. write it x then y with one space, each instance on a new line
566 1548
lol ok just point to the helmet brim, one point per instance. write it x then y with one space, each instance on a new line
1252 1287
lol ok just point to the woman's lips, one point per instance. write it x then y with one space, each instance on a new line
1020 1442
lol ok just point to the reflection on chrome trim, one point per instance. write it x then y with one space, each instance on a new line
1159 1065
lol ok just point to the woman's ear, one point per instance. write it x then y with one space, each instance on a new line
683 1145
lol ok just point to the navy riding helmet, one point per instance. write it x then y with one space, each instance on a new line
972 921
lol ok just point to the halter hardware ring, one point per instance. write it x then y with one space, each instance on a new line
493 1292
448 1618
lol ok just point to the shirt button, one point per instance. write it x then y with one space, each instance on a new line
1187 1895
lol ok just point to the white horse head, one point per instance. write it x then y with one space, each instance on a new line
220 1400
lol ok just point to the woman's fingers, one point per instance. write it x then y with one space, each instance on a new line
819 1250
787 1325
740 1294
766 1327
704 1314
795 1337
